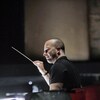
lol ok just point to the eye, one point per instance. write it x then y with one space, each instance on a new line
47 50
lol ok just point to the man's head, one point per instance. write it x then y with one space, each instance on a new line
53 49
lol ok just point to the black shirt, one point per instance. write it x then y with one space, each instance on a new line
64 72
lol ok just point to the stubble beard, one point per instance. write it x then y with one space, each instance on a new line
53 57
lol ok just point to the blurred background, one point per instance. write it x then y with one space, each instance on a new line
27 24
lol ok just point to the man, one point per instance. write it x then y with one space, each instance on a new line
62 75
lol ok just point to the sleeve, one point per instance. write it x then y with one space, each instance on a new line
56 73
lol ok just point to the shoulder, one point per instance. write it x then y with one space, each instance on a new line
63 61
60 65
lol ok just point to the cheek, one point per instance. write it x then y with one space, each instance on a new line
53 54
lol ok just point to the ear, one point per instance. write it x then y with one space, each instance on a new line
58 53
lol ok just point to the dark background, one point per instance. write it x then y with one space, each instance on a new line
15 70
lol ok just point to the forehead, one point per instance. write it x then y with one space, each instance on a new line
48 44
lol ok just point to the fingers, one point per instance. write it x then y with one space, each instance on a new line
37 63
40 66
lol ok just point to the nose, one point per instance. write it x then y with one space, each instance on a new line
44 54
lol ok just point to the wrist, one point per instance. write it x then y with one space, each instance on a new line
44 74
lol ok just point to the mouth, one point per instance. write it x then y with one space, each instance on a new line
48 58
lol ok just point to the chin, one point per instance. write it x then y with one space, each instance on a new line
50 62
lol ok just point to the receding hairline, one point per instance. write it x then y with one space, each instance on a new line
58 43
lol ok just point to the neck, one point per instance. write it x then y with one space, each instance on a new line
61 55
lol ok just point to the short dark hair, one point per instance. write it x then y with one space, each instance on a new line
59 44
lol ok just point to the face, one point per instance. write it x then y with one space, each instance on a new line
50 52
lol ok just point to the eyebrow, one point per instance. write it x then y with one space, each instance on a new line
46 50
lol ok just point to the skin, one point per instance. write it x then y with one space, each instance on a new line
51 53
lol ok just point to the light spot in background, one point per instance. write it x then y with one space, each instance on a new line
35 88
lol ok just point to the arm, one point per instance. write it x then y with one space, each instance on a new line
56 86
46 76
40 66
